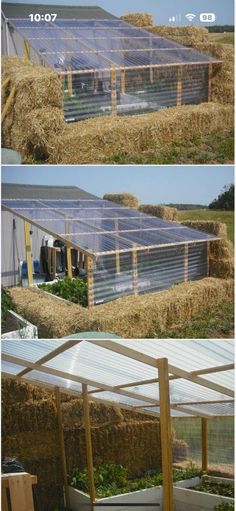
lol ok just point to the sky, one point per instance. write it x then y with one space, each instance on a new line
152 184
162 10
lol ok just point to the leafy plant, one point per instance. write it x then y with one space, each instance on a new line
6 305
74 290
216 488
112 479
225 506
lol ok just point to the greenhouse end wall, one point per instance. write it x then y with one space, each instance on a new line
134 91
144 271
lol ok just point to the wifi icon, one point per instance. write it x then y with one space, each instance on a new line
190 17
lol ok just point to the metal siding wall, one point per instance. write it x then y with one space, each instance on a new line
13 248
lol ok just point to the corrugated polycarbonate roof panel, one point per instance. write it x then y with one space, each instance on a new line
101 227
116 376
81 45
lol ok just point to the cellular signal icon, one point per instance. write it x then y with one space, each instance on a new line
190 17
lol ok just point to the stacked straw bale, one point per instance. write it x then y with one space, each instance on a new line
164 212
221 252
139 19
37 112
96 140
187 36
124 199
129 317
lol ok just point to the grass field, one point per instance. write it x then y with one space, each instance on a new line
223 38
216 147
226 217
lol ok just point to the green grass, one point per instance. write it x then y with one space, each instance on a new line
216 147
226 217
212 323
225 38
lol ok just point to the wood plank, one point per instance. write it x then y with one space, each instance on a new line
89 449
62 446
4 501
28 252
166 435
179 86
26 49
123 81
90 282
204 428
69 264
113 93
21 495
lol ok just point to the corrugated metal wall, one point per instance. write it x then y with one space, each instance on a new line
157 269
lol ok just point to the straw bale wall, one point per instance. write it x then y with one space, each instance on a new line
124 199
30 433
221 257
128 317
35 123
164 212
188 36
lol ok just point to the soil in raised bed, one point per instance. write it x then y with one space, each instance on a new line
216 488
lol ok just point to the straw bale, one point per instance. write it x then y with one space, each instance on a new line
187 36
180 450
29 416
124 199
160 211
139 19
95 140
128 317
221 257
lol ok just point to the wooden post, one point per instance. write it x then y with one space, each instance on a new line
151 74
166 436
62 446
122 81
69 264
26 50
186 262
113 93
135 271
208 258
70 83
28 252
179 86
90 282
210 69
88 439
204 425
4 496
8 103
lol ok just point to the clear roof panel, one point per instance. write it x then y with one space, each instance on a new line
100 226
81 45
117 376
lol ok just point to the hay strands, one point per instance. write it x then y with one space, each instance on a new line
8 103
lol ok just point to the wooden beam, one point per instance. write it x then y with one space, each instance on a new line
69 264
186 262
28 252
88 439
123 81
113 93
179 86
166 435
204 427
26 49
5 82
135 272
210 69
90 282
62 446
8 103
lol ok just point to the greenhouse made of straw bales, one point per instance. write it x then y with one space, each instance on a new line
121 250
108 66
171 380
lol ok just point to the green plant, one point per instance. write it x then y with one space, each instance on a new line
225 506
6 305
74 290
216 488
112 479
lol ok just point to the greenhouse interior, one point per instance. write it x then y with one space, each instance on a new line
116 250
109 67
175 381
